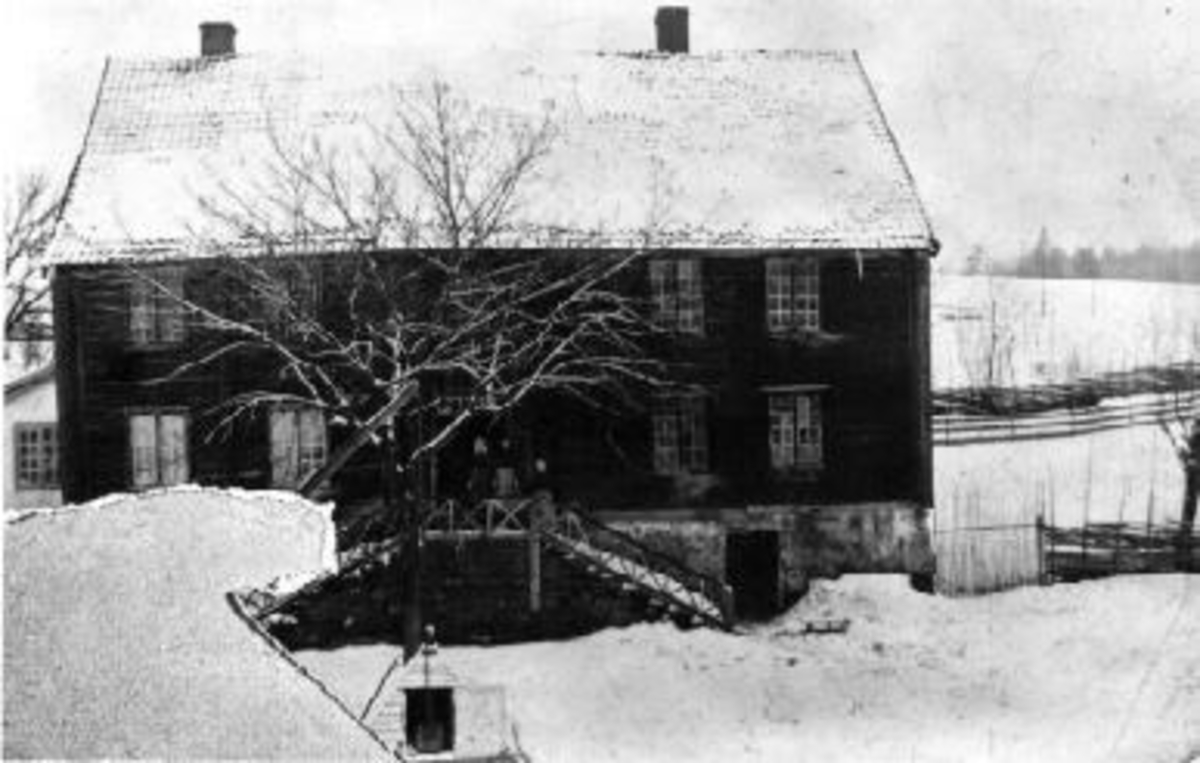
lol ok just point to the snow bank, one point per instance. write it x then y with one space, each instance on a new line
119 642
1099 671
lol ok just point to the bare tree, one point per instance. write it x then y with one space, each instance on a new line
431 304
433 290
30 212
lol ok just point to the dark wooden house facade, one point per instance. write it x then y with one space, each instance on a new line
791 267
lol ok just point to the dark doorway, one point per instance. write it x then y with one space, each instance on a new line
752 569
429 720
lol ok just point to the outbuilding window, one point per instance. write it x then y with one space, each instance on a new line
37 456
793 295
298 444
678 292
155 307
680 434
158 448
795 430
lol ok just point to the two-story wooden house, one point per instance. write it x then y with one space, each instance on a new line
790 261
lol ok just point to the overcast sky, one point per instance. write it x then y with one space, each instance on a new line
1083 116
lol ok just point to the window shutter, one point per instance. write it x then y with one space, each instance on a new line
173 449
777 295
143 450
691 296
141 312
662 292
284 448
666 439
312 441
782 431
169 306
693 444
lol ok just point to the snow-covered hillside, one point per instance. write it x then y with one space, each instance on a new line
1103 671
1039 331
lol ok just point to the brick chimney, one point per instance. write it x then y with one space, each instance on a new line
216 38
671 22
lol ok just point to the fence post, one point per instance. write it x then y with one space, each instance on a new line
1040 527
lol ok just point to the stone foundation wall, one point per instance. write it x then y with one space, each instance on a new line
814 541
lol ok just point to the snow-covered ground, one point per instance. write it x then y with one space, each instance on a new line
1056 330
1101 671
119 641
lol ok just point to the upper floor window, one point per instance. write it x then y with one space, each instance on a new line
795 430
298 444
680 434
158 448
793 295
37 456
155 306
678 294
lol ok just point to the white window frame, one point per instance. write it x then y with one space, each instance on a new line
299 443
680 428
159 448
793 294
677 290
36 453
155 309
794 430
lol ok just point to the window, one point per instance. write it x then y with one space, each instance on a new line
155 312
793 295
37 456
795 430
680 435
678 295
159 448
298 445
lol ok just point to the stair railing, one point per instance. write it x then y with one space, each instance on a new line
577 532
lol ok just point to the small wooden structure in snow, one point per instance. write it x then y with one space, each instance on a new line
424 711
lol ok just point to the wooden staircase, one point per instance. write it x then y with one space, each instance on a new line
662 586
671 587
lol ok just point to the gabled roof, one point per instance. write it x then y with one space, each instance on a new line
784 149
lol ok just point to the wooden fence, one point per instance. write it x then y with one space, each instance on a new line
984 559
1115 413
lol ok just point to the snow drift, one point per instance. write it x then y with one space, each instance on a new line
1103 671
119 641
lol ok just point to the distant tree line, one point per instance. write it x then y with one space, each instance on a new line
1180 264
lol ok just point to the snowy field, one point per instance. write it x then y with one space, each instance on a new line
1057 330
1102 671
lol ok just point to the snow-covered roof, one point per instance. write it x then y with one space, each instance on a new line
737 150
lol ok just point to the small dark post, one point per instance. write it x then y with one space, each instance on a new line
408 508
216 38
671 22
